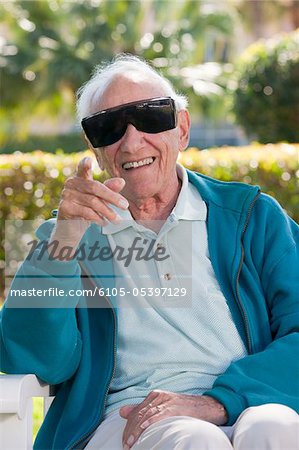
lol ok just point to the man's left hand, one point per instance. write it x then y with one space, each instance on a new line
159 405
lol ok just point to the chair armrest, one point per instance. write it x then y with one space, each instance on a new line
15 390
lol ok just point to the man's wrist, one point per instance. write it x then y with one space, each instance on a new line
220 413
61 247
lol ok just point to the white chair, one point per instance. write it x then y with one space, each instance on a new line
16 392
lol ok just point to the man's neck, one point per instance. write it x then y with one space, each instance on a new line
153 212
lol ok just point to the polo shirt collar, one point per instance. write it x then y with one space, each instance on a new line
189 205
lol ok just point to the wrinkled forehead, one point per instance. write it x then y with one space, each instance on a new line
129 87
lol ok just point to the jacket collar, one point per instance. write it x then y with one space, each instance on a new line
234 196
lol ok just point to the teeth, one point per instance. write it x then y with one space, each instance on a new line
134 164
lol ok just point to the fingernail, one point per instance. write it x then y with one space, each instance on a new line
123 203
117 219
144 424
126 447
130 440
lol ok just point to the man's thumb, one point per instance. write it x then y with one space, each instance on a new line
126 410
84 169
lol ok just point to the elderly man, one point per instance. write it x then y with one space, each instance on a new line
216 368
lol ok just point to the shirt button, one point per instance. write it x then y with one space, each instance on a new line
167 276
159 245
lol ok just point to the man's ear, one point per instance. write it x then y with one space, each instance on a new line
99 158
184 129
96 152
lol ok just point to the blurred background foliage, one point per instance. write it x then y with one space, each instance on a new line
267 95
48 49
53 46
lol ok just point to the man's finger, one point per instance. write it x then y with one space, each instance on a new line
84 169
115 184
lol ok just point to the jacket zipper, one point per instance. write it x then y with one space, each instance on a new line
243 312
245 320
84 438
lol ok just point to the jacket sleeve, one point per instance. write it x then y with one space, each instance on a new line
272 374
39 334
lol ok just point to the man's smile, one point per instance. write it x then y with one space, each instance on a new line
135 164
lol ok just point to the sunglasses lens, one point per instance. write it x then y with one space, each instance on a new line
150 116
104 129
155 118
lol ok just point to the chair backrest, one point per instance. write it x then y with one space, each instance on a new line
16 423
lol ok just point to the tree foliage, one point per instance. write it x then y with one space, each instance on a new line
50 48
267 97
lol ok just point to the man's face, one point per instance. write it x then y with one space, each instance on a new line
152 179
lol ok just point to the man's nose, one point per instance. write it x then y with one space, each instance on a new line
132 139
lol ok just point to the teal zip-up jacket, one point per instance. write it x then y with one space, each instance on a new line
253 248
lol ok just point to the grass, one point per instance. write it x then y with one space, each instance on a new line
38 404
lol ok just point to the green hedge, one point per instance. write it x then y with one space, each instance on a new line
274 167
31 183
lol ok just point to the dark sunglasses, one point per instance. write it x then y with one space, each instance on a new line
151 116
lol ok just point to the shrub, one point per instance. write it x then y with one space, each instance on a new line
31 183
266 101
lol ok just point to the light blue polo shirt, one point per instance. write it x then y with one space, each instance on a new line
176 332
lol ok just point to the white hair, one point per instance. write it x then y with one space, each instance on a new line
89 95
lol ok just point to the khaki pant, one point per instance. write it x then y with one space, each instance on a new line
266 427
